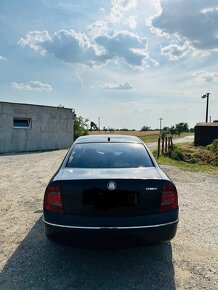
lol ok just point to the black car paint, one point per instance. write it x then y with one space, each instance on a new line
82 214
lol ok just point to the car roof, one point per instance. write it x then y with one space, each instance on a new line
108 138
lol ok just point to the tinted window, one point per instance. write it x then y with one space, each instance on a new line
22 123
109 155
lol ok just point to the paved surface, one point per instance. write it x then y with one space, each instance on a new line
29 261
186 139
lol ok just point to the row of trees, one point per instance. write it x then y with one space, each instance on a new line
176 129
173 130
82 126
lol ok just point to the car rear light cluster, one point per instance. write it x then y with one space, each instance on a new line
169 199
53 200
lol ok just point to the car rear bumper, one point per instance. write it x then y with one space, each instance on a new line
154 228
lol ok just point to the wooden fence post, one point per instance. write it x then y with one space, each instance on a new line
166 146
162 145
158 147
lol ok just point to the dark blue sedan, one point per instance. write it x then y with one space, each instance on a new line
111 183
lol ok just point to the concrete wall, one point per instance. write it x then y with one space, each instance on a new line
205 133
51 128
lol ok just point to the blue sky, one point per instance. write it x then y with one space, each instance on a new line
128 62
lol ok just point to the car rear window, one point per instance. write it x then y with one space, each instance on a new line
109 155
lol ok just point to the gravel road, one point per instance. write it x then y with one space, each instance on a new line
185 139
29 261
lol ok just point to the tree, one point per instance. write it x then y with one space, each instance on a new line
172 130
163 134
145 128
93 126
181 127
80 126
166 130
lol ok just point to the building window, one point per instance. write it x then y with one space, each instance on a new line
22 122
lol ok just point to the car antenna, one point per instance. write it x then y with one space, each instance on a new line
108 139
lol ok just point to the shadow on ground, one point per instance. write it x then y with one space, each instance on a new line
88 263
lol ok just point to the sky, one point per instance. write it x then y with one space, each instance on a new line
127 62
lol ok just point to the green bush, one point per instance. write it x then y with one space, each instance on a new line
80 126
176 153
214 146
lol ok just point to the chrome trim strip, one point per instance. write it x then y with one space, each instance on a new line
111 228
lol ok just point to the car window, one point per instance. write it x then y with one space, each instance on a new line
109 155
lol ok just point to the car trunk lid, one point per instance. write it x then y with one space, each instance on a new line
108 193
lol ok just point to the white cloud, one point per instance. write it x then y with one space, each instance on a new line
194 22
206 76
35 40
120 86
32 86
125 45
119 7
2 58
174 51
99 27
69 46
132 22
73 47
117 14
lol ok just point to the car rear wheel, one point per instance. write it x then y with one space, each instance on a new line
50 233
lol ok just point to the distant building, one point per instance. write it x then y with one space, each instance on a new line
205 133
25 127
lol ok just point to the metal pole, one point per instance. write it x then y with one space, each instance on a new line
160 124
99 124
203 97
207 108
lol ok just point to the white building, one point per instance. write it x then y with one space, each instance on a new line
25 127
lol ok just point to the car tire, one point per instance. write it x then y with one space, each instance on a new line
50 233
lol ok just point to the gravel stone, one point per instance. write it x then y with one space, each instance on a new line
28 260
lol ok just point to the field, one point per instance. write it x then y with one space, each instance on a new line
146 136
132 133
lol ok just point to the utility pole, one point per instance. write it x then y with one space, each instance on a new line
207 105
160 124
99 124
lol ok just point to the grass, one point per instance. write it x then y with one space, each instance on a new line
130 132
189 166
150 138
193 158
146 136
202 155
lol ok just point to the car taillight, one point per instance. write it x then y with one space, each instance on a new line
52 200
169 199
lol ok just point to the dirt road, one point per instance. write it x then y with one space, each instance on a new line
186 139
29 261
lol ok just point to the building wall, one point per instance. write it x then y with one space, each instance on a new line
51 128
205 133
